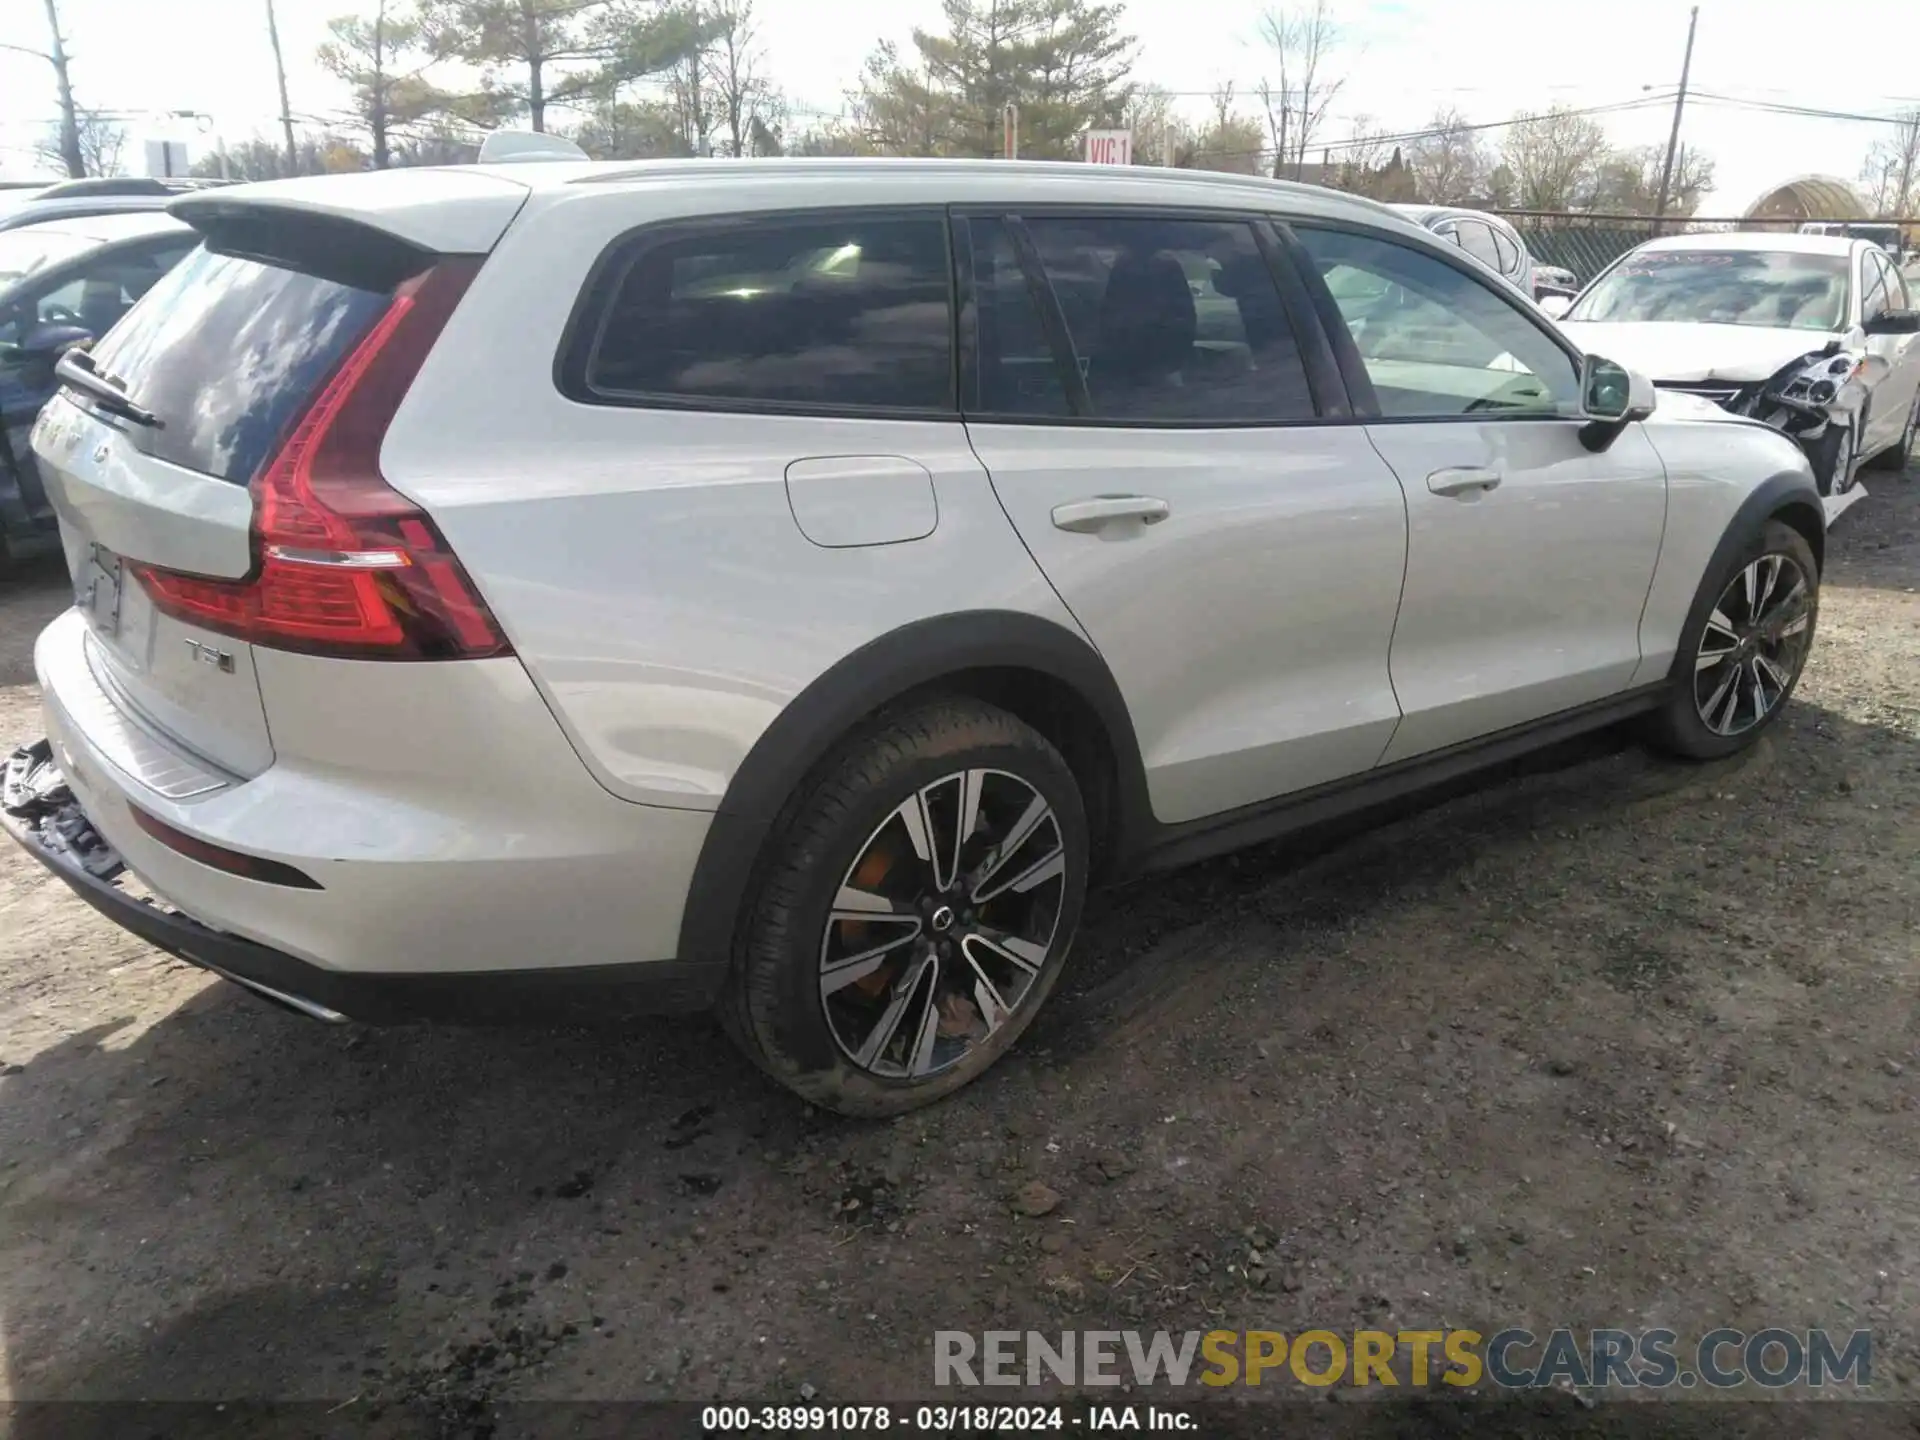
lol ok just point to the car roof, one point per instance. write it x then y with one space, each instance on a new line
42 208
109 229
1759 240
459 207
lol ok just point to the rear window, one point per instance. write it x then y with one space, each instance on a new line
227 350
841 312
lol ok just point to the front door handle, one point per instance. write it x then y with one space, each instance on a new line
1468 482
1103 510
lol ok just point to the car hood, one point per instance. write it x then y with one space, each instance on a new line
1686 352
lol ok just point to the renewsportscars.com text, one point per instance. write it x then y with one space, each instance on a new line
1514 1359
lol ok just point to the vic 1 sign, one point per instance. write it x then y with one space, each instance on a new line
1109 147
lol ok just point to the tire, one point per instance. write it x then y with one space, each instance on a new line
1900 455
810 988
1835 459
1703 721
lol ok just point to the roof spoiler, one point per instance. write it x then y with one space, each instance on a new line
511 145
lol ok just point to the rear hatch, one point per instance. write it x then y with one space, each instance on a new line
152 454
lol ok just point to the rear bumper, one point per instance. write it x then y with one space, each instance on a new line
61 838
462 862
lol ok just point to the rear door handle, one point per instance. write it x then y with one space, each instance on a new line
1466 482
1102 510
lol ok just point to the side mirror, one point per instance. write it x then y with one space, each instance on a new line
1556 303
1612 397
1894 322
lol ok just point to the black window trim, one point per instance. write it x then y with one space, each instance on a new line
1475 271
1314 349
586 322
1876 258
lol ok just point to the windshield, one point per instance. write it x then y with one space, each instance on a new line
28 249
1777 289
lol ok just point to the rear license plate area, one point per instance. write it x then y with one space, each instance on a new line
97 590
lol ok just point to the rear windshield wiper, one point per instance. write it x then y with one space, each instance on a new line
76 368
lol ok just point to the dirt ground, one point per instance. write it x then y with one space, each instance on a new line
1611 1041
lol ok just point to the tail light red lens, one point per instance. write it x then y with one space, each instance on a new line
345 565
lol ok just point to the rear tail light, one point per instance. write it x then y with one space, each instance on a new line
344 564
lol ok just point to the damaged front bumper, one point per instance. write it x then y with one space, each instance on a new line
1817 400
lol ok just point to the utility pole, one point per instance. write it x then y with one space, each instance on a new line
1673 138
1011 119
280 74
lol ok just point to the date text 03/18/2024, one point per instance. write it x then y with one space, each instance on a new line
942 1419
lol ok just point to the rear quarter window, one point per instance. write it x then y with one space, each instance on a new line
227 350
829 312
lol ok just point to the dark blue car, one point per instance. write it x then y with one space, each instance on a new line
63 283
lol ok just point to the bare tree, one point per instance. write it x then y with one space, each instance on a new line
67 151
749 104
1628 181
280 77
1304 39
1891 170
1449 162
1157 132
1555 158
99 137
258 158
1231 140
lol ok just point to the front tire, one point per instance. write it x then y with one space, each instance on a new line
914 911
1745 645
1834 457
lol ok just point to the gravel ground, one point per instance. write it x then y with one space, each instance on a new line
1611 1041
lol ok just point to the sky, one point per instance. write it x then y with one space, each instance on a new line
1402 59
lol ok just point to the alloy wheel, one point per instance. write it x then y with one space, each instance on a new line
943 923
1753 646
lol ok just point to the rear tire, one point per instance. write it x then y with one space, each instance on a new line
1745 644
897 942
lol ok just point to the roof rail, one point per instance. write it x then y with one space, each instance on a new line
514 145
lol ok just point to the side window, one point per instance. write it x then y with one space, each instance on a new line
1177 321
108 287
1437 342
1477 240
1509 254
1875 300
848 313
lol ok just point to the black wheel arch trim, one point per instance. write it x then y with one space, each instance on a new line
1787 491
915 658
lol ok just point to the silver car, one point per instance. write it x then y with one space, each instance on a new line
1486 237
785 587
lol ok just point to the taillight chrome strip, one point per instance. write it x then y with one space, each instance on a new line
342 559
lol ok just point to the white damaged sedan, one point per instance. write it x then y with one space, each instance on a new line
1814 334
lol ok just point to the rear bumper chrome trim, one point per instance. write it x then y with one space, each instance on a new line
69 681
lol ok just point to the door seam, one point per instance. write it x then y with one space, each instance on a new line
1406 563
